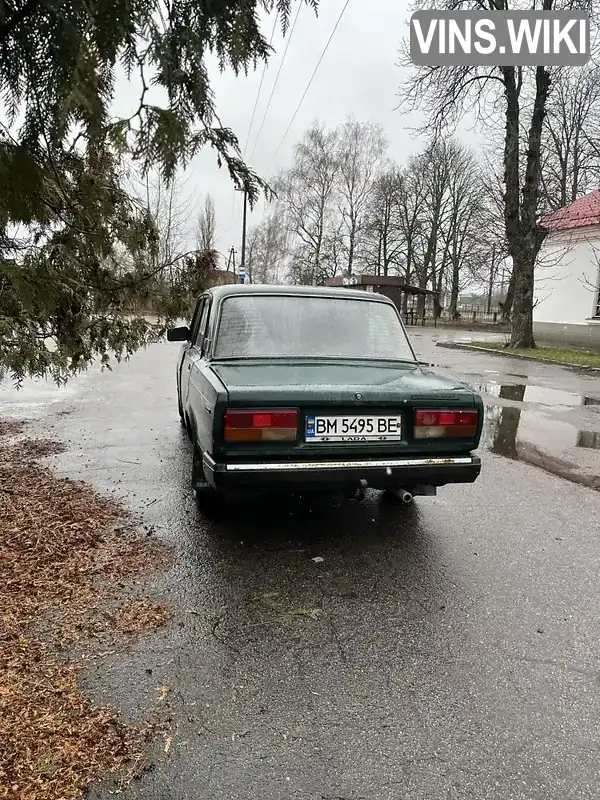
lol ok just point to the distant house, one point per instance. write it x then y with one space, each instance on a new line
567 277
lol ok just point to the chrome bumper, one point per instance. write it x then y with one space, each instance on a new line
386 463
381 473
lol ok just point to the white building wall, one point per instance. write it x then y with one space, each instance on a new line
566 277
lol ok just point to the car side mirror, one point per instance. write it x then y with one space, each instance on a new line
181 334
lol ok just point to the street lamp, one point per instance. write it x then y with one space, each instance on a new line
243 260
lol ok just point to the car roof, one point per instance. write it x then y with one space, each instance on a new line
233 290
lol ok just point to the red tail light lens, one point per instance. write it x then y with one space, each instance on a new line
450 424
261 426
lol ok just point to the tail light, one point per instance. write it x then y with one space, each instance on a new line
451 424
261 426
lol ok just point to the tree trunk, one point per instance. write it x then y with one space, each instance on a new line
521 334
491 283
384 253
512 216
508 301
454 290
405 295
523 234
420 305
351 244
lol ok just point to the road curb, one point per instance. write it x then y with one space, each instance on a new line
504 354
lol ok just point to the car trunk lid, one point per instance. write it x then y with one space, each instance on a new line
342 389
332 382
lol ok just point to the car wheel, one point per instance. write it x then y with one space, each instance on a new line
180 409
208 499
198 478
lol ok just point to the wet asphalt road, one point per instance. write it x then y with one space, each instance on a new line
456 652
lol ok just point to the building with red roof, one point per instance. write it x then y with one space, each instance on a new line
567 277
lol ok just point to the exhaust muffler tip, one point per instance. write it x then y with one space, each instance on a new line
361 490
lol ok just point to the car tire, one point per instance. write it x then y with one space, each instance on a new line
208 499
180 409
198 478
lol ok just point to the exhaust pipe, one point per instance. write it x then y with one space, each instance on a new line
361 491
402 495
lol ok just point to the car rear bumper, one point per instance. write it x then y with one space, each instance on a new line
386 473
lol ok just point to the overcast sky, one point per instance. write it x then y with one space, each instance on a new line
358 77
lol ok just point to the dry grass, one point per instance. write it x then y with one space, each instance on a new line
140 615
11 427
63 560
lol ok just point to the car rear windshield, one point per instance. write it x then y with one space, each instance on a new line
257 326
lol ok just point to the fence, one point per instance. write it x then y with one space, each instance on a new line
467 315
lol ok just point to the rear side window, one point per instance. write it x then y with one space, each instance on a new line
196 318
201 331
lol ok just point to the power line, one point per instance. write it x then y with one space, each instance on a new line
276 80
259 87
311 80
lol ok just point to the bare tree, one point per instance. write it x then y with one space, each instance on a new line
493 232
170 210
344 206
267 248
206 232
383 229
411 208
361 148
571 163
443 94
462 229
435 165
306 193
334 251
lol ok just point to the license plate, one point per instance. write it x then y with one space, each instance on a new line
353 429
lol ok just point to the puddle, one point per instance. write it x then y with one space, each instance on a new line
530 435
510 425
530 393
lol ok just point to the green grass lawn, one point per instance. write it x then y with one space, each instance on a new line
555 355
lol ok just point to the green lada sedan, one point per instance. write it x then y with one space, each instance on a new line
309 388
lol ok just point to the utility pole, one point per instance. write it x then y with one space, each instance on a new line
243 261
